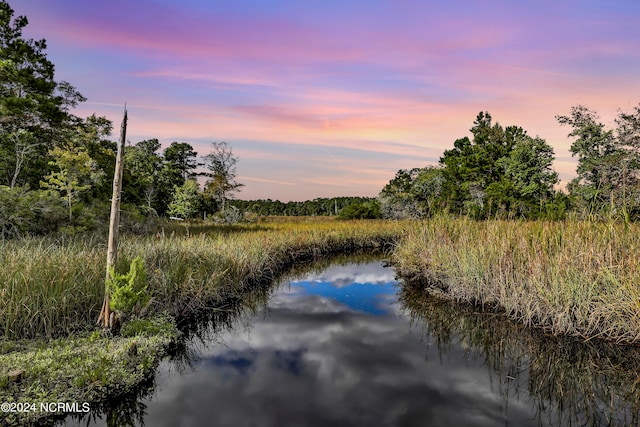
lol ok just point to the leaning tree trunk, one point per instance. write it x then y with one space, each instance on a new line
106 317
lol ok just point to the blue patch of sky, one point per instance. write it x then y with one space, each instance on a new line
415 84
240 362
312 10
598 7
290 360
243 362
205 86
361 297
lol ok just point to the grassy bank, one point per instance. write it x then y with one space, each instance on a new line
574 278
81 369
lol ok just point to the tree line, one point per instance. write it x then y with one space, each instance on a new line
502 172
317 207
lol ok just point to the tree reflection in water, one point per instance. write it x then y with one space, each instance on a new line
572 382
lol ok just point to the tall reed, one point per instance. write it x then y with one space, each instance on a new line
49 286
575 278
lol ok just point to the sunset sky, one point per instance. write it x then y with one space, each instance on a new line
331 98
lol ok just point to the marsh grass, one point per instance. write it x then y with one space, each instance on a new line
52 287
49 286
573 278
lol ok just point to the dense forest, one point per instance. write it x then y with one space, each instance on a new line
56 168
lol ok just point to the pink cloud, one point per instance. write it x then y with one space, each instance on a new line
269 181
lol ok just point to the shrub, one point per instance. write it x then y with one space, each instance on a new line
128 290
23 211
364 210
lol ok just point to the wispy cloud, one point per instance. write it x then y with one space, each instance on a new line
270 181
284 80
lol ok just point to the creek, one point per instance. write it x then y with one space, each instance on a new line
345 345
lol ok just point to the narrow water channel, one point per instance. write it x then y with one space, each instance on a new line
347 346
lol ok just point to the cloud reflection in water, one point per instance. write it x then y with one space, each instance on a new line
319 357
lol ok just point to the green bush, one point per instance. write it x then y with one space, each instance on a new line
128 290
24 211
364 210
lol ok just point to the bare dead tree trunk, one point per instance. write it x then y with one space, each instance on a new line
112 250
23 149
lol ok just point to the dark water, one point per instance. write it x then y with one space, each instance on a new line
346 346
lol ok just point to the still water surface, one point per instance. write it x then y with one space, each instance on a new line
347 346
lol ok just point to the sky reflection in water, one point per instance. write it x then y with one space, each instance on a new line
334 349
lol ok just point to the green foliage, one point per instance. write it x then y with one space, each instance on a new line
501 172
158 325
232 215
178 163
415 193
186 200
79 368
181 159
557 208
221 164
126 291
33 106
91 136
472 167
25 212
150 177
143 166
137 220
40 141
528 167
320 206
396 198
77 171
608 183
361 210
